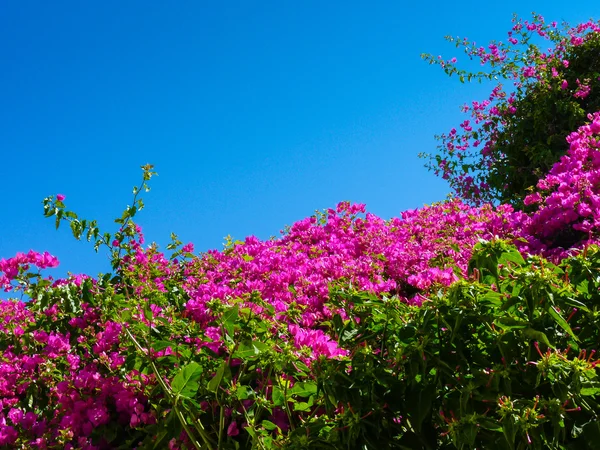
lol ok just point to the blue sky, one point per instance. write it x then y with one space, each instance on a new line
255 114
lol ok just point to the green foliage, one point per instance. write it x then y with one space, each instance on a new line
504 360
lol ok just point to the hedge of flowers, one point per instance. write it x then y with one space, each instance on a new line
349 331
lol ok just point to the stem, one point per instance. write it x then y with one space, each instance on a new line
181 418
169 393
221 425
286 405
387 319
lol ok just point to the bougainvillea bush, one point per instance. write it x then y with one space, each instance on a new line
516 135
451 326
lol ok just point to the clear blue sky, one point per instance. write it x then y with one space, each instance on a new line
255 114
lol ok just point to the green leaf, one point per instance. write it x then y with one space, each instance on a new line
244 392
348 335
512 255
301 406
583 287
125 315
72 303
185 383
109 431
510 323
590 391
215 382
278 396
86 292
173 425
148 314
576 304
269 425
562 322
490 424
420 404
492 298
537 335
304 389
250 350
229 319
509 430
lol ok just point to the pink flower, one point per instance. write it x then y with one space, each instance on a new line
576 40
8 435
188 248
98 415
583 90
15 415
232 429
317 341
57 344
60 197
533 198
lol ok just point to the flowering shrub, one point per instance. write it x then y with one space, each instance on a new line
450 326
231 338
306 340
515 136
144 359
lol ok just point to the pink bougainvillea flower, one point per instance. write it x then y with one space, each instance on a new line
232 429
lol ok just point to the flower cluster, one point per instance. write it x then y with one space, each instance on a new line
568 198
404 256
81 385
12 267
